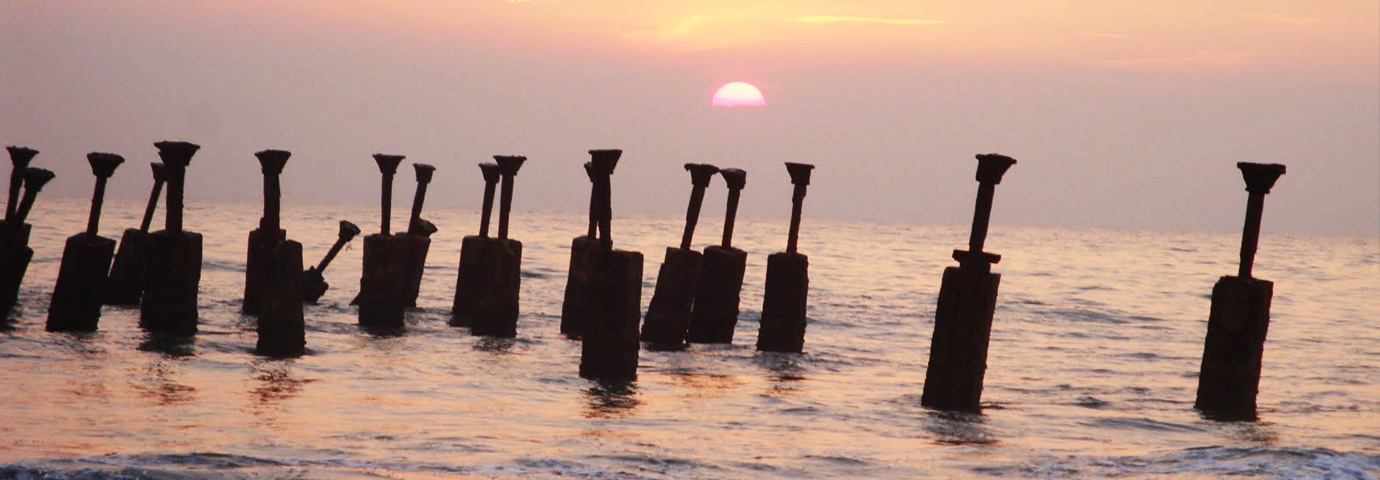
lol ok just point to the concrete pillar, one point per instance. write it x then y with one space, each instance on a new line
967 301
125 284
382 288
174 268
1229 379
77 297
715 311
494 269
584 261
418 237
788 281
270 233
668 316
610 346
14 233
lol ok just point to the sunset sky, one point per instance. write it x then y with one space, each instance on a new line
1121 113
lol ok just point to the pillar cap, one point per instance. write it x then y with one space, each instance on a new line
36 178
160 171
176 154
509 164
701 173
348 230
103 164
490 171
388 164
21 156
1260 177
977 260
423 227
424 172
991 167
589 171
271 162
604 161
736 178
800 172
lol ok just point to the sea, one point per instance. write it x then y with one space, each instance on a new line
1092 366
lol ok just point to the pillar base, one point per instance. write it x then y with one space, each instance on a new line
173 277
1229 378
576 308
668 316
717 294
282 330
15 255
77 297
381 287
487 286
610 344
414 257
783 305
962 330
261 243
125 285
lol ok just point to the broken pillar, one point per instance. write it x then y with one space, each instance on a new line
715 312
417 239
668 315
382 288
610 346
15 253
77 297
584 260
125 284
491 267
1229 379
173 275
277 271
313 279
788 280
967 300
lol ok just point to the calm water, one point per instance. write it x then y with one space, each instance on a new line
1092 368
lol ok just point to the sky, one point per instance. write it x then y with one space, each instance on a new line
1121 113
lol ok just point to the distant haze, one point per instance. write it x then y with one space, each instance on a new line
1121 113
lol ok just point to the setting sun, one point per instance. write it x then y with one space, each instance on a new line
739 94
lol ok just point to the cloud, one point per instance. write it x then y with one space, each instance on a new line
1112 36
1281 18
875 20
1197 61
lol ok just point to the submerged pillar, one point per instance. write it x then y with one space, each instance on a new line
418 236
668 316
492 266
788 281
77 297
313 279
15 253
174 268
278 272
125 284
715 311
610 346
584 258
381 285
967 300
1229 379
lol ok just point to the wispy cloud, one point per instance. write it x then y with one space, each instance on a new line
1281 18
1200 60
874 20
1107 35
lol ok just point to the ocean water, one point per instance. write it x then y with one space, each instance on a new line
1095 349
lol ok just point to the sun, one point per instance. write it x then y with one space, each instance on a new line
739 94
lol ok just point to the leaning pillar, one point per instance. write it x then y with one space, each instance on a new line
788 281
715 312
609 347
668 316
174 269
77 297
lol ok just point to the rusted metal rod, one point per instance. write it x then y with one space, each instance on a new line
388 166
491 174
160 175
102 166
800 177
348 231
176 156
34 180
1260 178
736 179
509 165
19 158
424 173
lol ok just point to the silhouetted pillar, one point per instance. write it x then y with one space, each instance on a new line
715 311
418 236
15 253
1229 379
491 267
967 300
275 271
76 302
125 285
788 281
584 261
174 268
269 235
610 342
381 286
313 280
668 316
